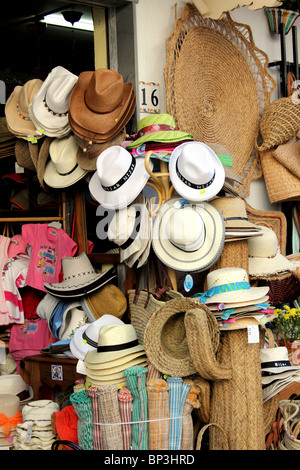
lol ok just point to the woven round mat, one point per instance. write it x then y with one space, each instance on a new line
217 86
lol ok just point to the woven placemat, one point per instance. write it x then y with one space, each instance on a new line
217 86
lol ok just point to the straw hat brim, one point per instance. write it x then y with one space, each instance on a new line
260 300
198 260
53 179
165 343
15 123
253 294
112 364
113 357
267 266
115 372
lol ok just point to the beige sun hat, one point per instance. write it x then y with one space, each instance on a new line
14 384
265 258
16 109
234 213
229 285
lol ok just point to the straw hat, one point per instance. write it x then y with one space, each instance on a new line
275 364
14 384
119 178
265 258
86 337
100 101
16 109
217 86
188 237
196 172
115 343
62 170
279 123
108 300
158 128
39 412
50 107
230 285
165 339
79 278
233 210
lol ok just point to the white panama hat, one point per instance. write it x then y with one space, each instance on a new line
188 237
196 172
119 178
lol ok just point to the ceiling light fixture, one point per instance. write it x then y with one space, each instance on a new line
59 19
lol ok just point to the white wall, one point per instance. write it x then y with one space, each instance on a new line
154 22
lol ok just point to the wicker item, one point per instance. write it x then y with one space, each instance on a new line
222 436
212 67
204 399
283 288
288 154
291 424
235 254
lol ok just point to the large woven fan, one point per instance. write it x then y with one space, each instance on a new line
218 86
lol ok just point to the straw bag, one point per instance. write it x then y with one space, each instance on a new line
223 441
290 410
143 303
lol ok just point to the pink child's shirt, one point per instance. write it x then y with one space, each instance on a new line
48 246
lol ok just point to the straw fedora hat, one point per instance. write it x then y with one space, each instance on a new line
86 337
230 285
265 258
188 237
196 172
165 339
119 178
62 170
79 278
233 210
99 100
158 128
279 123
16 109
115 342
108 300
50 106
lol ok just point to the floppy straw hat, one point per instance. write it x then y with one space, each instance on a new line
99 101
79 278
50 106
158 128
115 342
62 170
86 337
107 300
119 178
229 285
265 258
196 172
188 237
16 109
165 339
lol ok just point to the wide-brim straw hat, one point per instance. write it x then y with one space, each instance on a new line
196 172
50 105
16 109
79 278
115 342
88 152
158 128
62 169
188 238
202 52
86 337
279 123
99 100
165 338
119 178
108 300
265 258
231 285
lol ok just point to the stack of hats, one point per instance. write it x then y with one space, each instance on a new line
237 225
101 105
277 371
188 237
17 114
35 433
131 229
119 178
62 170
49 108
157 133
63 317
230 297
117 350
86 337
79 278
10 417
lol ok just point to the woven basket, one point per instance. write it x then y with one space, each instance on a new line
283 288
213 71
291 425
237 403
